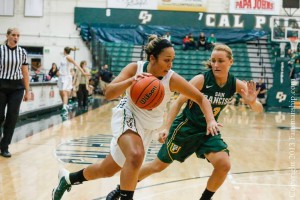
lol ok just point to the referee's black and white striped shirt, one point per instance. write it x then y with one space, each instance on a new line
11 61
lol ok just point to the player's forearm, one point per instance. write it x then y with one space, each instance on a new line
79 68
206 108
114 90
25 73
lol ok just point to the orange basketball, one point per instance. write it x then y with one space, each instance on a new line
147 92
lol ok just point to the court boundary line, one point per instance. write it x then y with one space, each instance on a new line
201 177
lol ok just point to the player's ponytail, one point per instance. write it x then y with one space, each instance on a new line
207 64
69 49
156 45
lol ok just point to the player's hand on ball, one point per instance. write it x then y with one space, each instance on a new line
213 128
142 75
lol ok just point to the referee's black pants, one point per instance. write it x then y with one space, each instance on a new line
10 98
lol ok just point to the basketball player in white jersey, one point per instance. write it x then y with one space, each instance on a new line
132 127
65 78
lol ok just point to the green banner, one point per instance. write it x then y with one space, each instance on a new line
279 94
171 18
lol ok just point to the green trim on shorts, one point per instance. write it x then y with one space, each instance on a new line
175 149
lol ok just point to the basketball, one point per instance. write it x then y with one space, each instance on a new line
147 92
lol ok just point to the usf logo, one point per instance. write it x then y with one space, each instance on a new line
280 96
145 17
174 148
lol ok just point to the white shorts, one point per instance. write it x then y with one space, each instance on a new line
65 83
122 120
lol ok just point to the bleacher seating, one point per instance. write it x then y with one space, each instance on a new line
250 61
190 63
120 53
187 63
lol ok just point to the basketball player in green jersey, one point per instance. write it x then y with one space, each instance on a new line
187 133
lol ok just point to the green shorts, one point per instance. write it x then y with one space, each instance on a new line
185 138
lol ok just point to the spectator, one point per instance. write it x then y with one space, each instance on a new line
192 41
81 83
185 42
202 41
188 42
211 41
167 36
263 90
38 75
53 71
105 77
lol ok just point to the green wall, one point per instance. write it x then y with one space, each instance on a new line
171 18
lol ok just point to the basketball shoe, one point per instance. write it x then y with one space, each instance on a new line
63 185
64 110
115 194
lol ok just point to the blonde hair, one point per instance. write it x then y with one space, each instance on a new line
9 31
220 47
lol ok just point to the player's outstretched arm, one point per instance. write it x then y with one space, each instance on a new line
249 93
71 60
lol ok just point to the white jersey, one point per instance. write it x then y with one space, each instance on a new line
151 119
65 67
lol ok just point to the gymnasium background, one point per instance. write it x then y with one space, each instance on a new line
95 26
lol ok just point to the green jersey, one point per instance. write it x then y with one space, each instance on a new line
188 131
217 96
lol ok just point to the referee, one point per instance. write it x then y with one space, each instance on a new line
14 78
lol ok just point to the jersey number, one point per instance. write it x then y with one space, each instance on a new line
216 111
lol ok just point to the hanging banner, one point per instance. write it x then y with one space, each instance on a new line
183 5
133 4
264 7
279 95
171 18
173 5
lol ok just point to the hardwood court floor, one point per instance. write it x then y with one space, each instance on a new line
264 155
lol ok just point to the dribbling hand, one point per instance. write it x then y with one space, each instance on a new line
213 128
142 75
